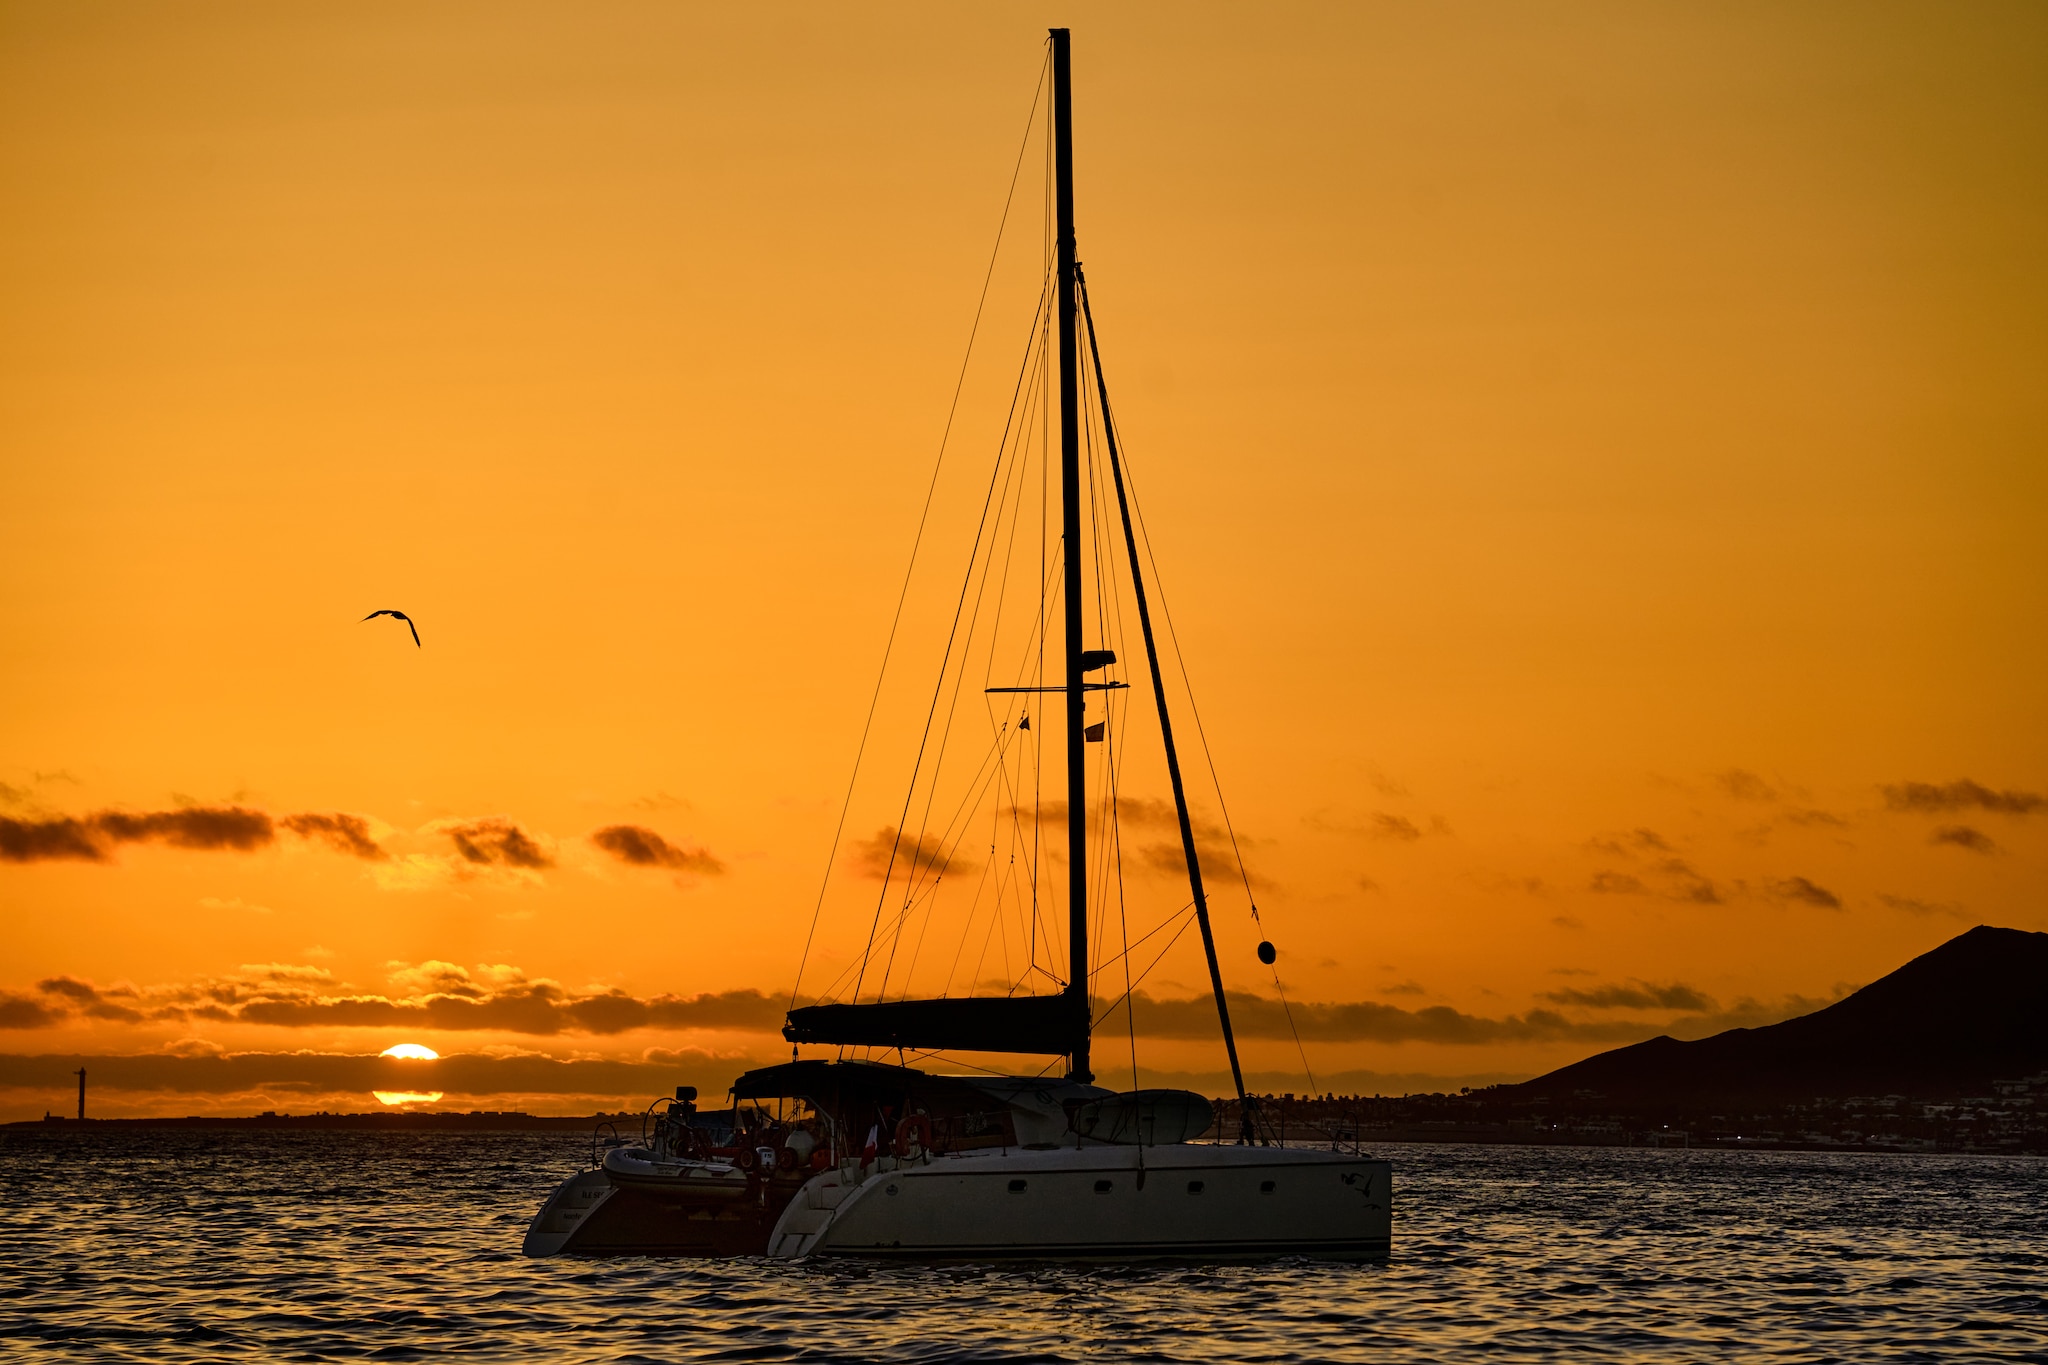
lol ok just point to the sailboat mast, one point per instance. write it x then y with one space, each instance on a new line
1070 541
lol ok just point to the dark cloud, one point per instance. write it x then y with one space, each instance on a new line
890 854
204 827
495 840
1617 884
217 828
1745 786
343 833
644 848
431 995
1960 795
1643 995
539 1008
1566 922
70 987
1805 892
1404 988
83 998
27 1012
442 997
1254 1016
33 841
1962 836
1812 818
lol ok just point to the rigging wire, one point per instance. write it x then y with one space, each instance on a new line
931 714
1201 732
931 489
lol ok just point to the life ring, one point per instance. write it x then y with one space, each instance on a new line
746 1159
786 1159
913 1136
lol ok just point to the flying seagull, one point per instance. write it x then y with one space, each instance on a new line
401 616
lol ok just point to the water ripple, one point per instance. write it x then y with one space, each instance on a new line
189 1246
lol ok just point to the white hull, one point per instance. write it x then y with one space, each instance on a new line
1096 1202
565 1212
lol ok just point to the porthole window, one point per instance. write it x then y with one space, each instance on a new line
1265 1187
1102 1187
1016 1187
1194 1187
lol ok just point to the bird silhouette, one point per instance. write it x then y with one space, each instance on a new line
401 616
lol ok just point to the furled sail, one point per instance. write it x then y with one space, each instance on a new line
1045 1024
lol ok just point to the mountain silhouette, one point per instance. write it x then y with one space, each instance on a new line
1946 1024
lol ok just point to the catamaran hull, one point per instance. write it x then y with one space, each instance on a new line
1098 1203
594 1214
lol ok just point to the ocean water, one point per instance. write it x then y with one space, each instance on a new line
168 1246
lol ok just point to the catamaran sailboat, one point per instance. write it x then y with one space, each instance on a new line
860 1156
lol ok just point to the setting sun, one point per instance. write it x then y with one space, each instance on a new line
412 1052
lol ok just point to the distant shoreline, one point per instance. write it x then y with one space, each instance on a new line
492 1122
1474 1135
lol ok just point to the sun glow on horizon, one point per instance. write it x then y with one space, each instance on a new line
412 1052
407 1096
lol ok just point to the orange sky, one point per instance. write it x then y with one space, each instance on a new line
1596 455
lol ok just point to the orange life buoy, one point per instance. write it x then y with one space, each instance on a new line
913 1135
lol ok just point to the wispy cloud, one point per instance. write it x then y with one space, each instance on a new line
1629 844
1389 826
642 847
236 903
1642 995
887 853
1919 907
1962 794
1744 786
1814 818
1377 824
495 841
343 833
1805 892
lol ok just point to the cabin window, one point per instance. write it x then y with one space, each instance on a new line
1194 1187
1016 1187
1265 1187
1102 1187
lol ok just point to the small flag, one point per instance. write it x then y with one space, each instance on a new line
1024 724
1093 734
